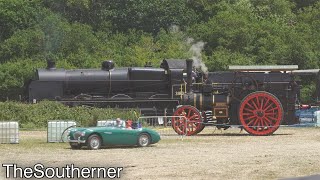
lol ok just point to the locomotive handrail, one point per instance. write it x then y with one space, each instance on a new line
181 87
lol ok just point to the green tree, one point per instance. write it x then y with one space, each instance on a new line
18 15
300 4
22 44
123 15
264 32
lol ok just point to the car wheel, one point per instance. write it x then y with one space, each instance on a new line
75 146
144 140
94 142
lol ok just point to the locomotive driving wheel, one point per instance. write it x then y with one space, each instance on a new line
260 113
191 124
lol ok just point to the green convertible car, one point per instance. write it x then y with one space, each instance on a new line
111 134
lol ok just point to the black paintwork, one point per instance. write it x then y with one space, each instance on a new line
158 90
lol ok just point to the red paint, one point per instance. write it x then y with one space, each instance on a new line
191 124
305 106
260 113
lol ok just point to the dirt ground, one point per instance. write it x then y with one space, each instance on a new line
290 152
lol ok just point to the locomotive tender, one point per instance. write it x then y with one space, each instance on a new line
257 101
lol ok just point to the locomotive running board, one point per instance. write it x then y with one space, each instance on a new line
264 68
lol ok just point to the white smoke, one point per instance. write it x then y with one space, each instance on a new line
196 50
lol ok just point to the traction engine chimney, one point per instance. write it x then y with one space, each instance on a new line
189 74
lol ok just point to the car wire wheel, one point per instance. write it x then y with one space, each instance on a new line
94 142
144 140
260 113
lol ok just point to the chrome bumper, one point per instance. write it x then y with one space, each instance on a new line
79 141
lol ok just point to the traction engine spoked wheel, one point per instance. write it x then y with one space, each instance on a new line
191 124
260 113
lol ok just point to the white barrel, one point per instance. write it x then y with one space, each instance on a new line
9 132
56 129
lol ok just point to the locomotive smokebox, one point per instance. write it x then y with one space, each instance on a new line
51 65
107 65
189 74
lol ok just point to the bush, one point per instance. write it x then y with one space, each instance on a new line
36 115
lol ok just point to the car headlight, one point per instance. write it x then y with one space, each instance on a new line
79 134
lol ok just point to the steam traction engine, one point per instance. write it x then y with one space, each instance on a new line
257 101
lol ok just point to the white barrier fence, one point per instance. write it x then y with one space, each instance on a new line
9 132
57 130
163 125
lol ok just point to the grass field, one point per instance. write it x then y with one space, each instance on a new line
290 152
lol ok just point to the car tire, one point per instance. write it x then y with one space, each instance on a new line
78 146
94 142
144 140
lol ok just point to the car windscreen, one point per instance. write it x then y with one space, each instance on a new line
113 123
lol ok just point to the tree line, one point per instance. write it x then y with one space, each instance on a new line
83 33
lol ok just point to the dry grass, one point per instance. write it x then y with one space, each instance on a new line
220 155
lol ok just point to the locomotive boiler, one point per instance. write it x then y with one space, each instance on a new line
146 88
257 101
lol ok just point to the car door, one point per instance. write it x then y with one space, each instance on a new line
123 136
108 135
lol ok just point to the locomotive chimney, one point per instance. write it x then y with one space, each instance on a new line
51 65
189 74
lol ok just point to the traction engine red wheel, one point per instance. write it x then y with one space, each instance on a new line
191 124
260 113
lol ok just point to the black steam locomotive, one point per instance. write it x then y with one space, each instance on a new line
258 101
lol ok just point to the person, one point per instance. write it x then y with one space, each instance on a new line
206 79
194 76
129 124
120 123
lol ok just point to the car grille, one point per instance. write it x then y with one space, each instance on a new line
77 134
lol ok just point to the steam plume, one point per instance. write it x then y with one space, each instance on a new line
195 50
